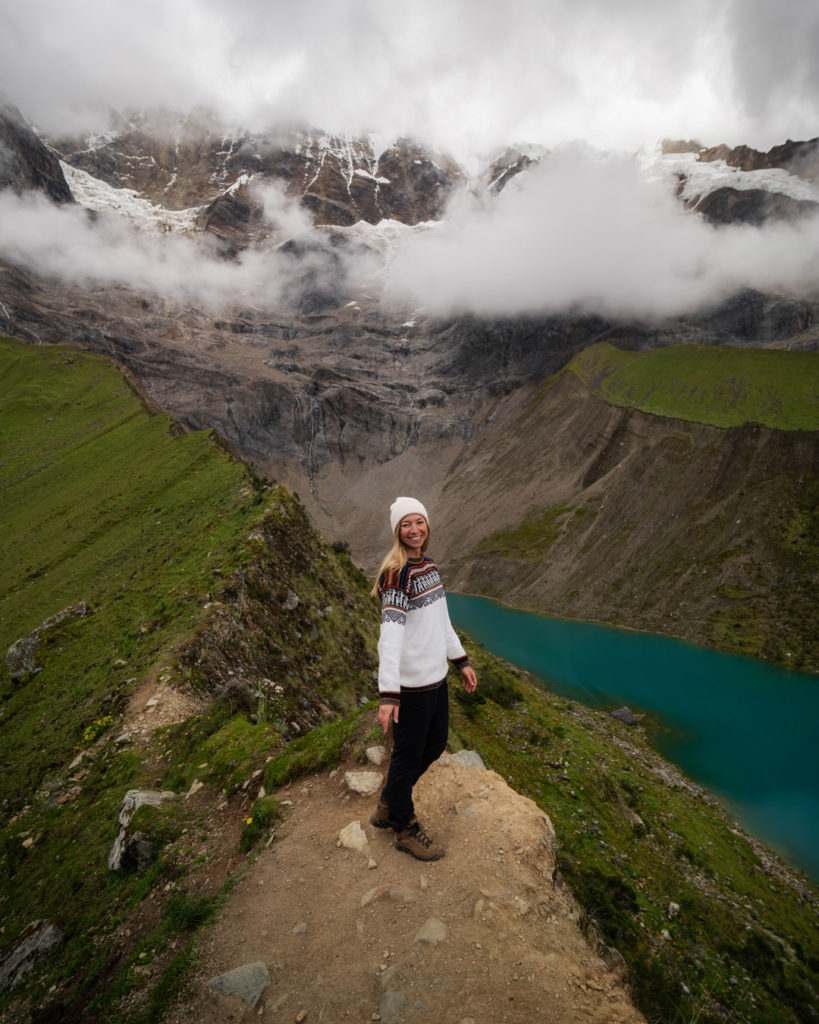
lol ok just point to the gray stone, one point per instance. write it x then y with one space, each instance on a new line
33 943
376 755
364 783
138 852
291 602
466 758
20 657
132 800
624 715
391 1007
247 982
432 932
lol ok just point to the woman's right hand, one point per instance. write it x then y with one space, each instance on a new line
387 713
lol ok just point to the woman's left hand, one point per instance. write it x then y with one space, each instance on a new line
468 678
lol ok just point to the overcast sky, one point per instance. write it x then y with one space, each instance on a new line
578 77
466 74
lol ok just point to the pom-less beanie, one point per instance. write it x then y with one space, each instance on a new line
402 507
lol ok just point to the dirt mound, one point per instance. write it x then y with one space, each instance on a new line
483 935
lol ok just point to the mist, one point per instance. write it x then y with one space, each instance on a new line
588 232
65 243
581 232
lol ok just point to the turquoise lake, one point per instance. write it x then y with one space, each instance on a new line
743 729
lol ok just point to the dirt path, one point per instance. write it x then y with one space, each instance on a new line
339 928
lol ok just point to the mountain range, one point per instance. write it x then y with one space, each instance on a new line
320 379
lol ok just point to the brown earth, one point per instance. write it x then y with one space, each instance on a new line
339 927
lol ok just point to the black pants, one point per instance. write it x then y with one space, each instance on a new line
419 738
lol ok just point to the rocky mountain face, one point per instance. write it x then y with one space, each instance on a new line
25 163
730 205
350 401
191 162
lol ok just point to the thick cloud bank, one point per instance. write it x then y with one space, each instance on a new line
582 231
586 232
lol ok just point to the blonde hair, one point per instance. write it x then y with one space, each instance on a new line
397 557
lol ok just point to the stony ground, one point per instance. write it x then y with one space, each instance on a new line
483 935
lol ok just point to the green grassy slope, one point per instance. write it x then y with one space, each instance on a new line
186 562
718 385
99 503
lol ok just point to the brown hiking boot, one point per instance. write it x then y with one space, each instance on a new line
381 816
413 839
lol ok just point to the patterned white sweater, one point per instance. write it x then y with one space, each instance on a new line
417 638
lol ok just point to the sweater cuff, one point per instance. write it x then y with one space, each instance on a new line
389 698
460 663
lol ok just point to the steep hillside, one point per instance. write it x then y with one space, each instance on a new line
216 648
653 519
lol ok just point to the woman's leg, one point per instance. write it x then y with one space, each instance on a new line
437 731
415 735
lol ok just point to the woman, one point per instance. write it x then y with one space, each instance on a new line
416 641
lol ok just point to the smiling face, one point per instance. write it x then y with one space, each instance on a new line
412 533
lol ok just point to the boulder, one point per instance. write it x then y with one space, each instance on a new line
21 656
133 851
624 715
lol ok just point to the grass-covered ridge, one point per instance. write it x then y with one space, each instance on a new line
714 384
101 502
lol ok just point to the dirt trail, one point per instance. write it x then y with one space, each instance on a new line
338 928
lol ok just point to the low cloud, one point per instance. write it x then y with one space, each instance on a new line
586 232
581 232
66 243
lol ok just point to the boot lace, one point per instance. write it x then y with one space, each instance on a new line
419 835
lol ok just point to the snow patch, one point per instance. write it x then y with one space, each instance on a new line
371 177
701 178
138 212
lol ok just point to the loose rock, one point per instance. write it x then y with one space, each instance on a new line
467 758
363 783
432 932
247 982
624 715
352 836
391 1007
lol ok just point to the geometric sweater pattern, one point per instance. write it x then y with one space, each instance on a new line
416 639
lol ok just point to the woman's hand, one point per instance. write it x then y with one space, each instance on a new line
468 678
387 714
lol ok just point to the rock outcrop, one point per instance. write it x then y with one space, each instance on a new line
26 163
188 162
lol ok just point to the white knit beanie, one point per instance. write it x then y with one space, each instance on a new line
402 507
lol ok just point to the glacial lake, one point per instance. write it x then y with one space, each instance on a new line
743 729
